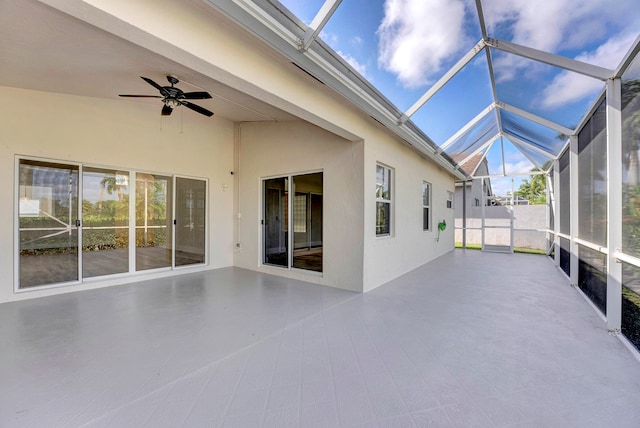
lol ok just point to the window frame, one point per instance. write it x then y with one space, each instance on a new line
389 173
427 206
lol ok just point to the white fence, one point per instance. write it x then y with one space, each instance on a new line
529 225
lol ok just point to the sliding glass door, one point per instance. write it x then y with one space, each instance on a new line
276 222
105 222
47 223
191 217
153 221
61 241
302 215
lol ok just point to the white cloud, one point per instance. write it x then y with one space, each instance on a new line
330 38
569 87
418 36
501 187
556 25
356 41
360 68
520 167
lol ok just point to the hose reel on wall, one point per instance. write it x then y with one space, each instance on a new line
441 227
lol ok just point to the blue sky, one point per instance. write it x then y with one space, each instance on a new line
404 46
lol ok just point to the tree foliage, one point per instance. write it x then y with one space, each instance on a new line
534 189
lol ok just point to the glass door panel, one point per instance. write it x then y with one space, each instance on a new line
276 234
153 221
307 222
190 221
105 222
48 216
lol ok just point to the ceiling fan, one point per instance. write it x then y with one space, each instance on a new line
173 97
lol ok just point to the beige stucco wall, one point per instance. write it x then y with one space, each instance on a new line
106 133
408 246
113 134
267 150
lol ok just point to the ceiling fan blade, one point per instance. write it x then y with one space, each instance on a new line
196 95
152 83
166 110
140 96
196 108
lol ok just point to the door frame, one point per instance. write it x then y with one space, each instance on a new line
290 236
486 199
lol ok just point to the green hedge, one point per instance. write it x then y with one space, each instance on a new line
92 240
631 316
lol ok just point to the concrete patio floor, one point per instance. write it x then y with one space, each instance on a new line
472 339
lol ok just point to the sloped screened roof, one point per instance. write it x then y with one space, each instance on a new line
507 80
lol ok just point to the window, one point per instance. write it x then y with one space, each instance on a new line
449 199
383 200
477 202
426 206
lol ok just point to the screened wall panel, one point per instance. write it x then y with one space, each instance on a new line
631 303
565 255
592 276
552 216
563 188
630 159
631 201
592 179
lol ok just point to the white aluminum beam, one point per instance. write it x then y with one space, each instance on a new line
318 23
466 127
483 26
529 146
628 58
556 212
443 80
525 154
479 149
522 174
614 204
537 119
504 167
626 258
494 89
574 199
484 155
550 200
551 59
589 113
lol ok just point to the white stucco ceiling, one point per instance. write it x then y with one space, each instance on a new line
46 50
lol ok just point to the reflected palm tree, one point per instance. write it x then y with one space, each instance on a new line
109 183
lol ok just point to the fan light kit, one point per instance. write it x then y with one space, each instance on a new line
173 97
